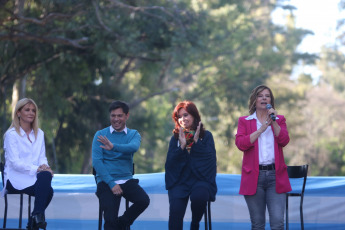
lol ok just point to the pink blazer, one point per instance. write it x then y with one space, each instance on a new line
250 162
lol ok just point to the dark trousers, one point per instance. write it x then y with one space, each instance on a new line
198 198
110 203
41 190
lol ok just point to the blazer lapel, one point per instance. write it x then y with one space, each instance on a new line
253 128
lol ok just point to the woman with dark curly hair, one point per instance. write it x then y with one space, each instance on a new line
190 168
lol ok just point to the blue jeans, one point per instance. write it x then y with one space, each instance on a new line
266 195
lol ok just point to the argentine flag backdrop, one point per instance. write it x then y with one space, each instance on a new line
75 205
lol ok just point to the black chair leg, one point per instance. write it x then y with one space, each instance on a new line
127 206
21 211
209 215
287 213
29 208
5 212
20 222
206 218
301 214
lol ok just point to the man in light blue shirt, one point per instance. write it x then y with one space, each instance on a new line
112 158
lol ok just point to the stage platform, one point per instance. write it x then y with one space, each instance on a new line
75 205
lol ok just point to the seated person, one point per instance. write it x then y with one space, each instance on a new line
190 168
112 156
26 169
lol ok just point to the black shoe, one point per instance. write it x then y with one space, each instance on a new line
38 221
29 224
121 225
194 226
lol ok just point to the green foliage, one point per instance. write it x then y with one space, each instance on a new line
77 57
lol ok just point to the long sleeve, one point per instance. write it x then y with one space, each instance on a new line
43 158
117 163
14 146
183 169
98 162
242 140
12 156
175 162
22 157
283 138
204 160
130 147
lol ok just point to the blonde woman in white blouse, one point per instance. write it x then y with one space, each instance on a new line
26 168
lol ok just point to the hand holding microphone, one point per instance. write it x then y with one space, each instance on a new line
272 115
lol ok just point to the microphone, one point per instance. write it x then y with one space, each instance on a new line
273 117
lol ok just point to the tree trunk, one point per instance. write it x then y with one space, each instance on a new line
15 96
18 92
19 85
87 163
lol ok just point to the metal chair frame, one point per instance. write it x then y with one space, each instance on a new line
296 172
2 167
207 216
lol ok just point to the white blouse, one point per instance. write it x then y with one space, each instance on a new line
265 142
266 145
22 157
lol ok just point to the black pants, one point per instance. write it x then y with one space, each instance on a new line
41 190
110 203
177 209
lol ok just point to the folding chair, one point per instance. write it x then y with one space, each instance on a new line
2 167
297 172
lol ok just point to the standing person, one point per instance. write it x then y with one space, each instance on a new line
26 166
190 168
112 157
264 181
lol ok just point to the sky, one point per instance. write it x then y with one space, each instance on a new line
319 16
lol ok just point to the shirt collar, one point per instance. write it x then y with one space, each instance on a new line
22 132
253 116
113 130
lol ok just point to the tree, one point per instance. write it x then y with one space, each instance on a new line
78 57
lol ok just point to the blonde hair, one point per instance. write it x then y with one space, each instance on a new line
254 96
15 119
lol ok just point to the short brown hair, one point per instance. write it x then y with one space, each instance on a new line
254 95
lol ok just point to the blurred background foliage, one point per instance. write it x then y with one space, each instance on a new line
75 57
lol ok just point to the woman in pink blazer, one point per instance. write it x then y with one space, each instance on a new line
264 181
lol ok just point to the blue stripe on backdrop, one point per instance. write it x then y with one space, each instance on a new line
161 225
75 205
316 186
228 184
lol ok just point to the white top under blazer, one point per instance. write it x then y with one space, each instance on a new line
22 157
266 142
